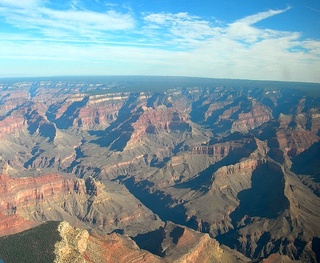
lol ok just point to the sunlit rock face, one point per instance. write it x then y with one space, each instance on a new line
169 243
229 165
81 202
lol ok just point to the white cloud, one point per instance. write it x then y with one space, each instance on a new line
109 20
20 4
253 19
179 29
58 23
312 46
241 50
244 29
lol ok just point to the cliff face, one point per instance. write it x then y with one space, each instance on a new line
100 111
11 99
159 120
78 245
53 197
11 125
257 115
231 112
294 142
17 193
181 244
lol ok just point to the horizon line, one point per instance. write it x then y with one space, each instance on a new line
152 76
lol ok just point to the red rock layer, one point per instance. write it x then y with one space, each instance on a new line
180 244
21 192
277 258
295 141
219 149
116 249
250 120
100 111
12 224
11 99
11 125
160 119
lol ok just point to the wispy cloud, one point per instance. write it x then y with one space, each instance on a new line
244 29
20 4
72 22
314 9
242 50
253 19
180 28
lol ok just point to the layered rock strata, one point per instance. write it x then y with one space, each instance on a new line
54 197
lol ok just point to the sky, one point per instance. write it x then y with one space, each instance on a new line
248 39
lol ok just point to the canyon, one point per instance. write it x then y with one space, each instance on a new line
186 171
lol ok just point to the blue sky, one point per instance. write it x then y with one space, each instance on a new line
249 39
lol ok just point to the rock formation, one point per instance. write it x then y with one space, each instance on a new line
81 202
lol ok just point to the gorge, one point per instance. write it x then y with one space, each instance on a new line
162 169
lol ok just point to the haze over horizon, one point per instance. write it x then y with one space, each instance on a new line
259 41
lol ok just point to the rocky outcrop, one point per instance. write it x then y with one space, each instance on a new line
160 119
257 115
179 244
276 218
77 245
11 99
314 121
175 243
221 149
73 244
100 111
295 141
233 113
